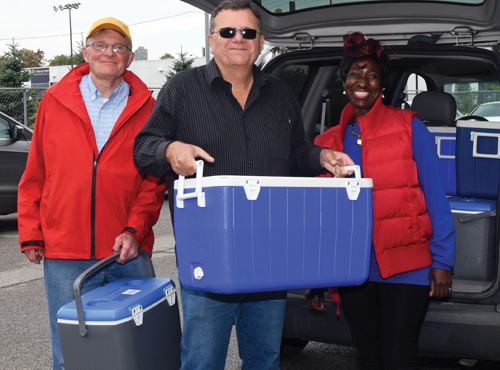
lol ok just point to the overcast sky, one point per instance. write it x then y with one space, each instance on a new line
161 26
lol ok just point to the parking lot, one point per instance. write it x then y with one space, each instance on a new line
24 325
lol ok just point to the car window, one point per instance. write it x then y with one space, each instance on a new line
471 94
488 110
296 77
414 86
4 129
287 6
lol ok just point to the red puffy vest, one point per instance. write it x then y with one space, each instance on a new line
401 225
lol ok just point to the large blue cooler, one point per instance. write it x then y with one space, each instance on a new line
128 324
253 234
478 159
445 139
475 223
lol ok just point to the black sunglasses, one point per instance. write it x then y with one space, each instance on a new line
230 32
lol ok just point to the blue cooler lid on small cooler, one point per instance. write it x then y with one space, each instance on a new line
115 301
473 205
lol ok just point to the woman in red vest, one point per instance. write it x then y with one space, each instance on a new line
413 233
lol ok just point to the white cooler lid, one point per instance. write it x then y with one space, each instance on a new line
271 181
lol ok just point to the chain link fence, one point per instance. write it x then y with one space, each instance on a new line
22 103
468 100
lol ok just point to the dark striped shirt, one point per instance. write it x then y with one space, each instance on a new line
197 107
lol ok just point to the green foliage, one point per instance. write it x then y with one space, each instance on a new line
167 56
78 57
465 97
494 86
13 66
65 60
12 104
33 58
296 78
60 60
32 115
183 63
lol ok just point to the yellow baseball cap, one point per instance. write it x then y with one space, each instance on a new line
112 24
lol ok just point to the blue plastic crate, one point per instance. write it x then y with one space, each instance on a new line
478 159
445 139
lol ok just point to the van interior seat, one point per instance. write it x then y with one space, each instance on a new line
435 108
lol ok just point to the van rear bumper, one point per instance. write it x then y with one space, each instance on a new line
450 329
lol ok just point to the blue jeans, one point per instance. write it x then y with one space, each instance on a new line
208 320
59 278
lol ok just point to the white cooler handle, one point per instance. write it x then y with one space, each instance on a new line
353 186
474 136
357 171
198 193
438 142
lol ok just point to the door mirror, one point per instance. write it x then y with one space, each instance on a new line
18 132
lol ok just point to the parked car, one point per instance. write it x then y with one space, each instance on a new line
448 46
488 111
15 140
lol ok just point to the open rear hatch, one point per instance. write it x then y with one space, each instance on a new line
439 41
314 23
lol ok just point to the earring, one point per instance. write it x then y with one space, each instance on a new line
343 92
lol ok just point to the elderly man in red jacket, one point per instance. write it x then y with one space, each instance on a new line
81 197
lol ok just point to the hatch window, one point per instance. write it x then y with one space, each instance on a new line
4 129
470 95
286 6
296 77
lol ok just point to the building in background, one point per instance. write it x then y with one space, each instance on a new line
152 72
40 78
141 53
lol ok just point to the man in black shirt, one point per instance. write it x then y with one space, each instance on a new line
241 122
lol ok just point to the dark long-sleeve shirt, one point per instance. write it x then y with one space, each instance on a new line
197 107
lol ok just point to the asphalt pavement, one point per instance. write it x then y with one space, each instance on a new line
24 328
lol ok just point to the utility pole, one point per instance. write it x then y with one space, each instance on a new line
69 7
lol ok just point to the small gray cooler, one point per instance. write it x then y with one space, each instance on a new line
475 222
129 324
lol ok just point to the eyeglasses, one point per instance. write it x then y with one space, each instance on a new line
102 46
230 32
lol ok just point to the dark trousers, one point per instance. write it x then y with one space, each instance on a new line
385 322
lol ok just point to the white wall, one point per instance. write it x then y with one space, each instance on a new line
151 72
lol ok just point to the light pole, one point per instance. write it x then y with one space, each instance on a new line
69 7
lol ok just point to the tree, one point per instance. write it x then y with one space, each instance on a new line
182 64
60 60
13 73
167 56
78 57
33 58
465 97
13 66
296 78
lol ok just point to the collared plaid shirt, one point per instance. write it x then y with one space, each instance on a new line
103 113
